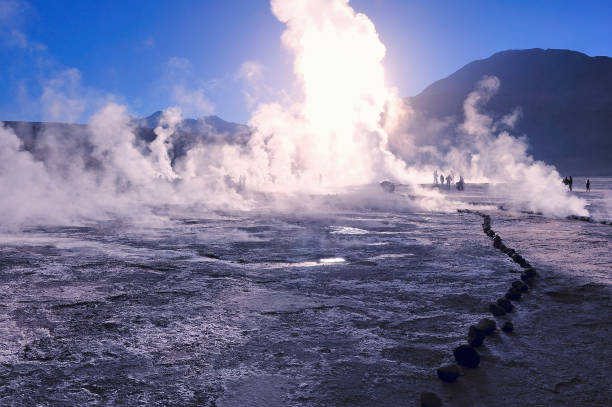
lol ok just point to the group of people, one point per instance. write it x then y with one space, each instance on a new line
569 181
449 180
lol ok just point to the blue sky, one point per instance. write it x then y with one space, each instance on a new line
61 59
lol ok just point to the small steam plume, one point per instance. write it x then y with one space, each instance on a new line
488 152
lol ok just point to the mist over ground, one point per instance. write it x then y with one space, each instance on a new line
349 129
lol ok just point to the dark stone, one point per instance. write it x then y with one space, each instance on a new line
429 399
497 241
448 373
529 273
466 356
505 304
491 233
507 327
475 336
519 285
487 326
513 294
496 310
211 256
387 186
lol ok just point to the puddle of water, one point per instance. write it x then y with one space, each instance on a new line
347 230
332 260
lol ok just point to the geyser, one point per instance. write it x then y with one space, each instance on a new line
333 137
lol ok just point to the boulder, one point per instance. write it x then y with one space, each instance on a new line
448 373
507 327
505 304
466 356
497 241
429 399
519 285
530 272
496 310
387 186
486 325
475 336
513 294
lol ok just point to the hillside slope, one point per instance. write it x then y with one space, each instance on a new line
565 97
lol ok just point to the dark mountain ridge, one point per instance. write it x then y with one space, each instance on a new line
76 137
565 99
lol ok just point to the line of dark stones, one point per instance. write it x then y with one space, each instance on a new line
467 356
588 219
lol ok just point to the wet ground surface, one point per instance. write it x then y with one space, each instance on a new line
352 308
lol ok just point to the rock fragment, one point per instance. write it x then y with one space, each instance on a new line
505 304
513 294
528 274
387 186
486 325
497 242
448 373
507 327
496 310
429 399
475 336
520 286
466 356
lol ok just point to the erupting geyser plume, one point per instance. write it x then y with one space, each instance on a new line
334 137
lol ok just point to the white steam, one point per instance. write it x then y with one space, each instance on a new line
493 155
335 137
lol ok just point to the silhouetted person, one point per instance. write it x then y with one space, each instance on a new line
436 177
588 185
441 179
571 182
448 181
460 183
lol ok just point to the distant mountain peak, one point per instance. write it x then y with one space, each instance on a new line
565 97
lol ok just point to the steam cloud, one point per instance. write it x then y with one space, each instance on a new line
335 137
486 151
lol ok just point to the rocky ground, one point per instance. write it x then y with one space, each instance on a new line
355 308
